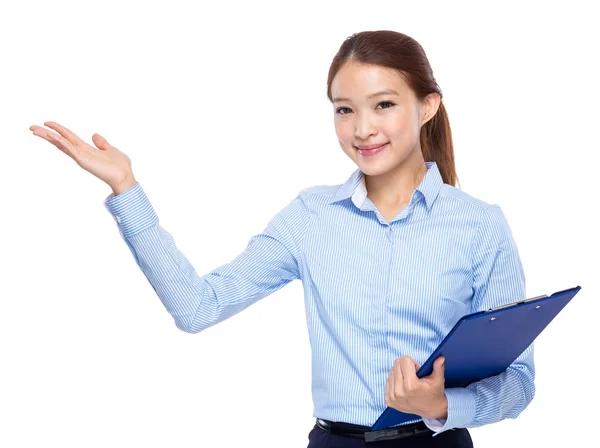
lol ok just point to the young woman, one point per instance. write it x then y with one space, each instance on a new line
389 260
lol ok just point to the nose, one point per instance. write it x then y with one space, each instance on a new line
364 128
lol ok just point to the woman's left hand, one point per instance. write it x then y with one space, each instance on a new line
406 392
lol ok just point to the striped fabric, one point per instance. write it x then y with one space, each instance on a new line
373 290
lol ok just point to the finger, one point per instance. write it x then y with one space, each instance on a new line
439 368
76 152
48 136
388 395
39 131
64 145
392 380
409 373
101 142
398 379
65 133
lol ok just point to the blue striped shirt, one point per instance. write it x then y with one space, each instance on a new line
373 290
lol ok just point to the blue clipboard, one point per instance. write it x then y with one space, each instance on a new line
485 344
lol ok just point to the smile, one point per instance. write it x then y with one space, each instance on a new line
372 151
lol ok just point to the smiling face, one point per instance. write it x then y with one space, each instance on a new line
373 105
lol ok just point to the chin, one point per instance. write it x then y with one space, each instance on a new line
384 165
373 169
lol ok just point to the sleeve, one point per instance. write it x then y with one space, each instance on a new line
498 279
269 262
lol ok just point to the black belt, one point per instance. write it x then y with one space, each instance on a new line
365 433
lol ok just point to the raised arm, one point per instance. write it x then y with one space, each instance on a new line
269 262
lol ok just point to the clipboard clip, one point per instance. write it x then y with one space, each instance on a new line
518 303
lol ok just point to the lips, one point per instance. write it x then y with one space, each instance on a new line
369 147
372 149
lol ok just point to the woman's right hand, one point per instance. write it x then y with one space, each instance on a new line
106 162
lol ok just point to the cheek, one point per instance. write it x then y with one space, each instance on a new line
344 132
398 126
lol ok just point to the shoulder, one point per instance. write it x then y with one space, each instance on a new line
296 214
309 201
488 217
464 199
294 219
319 194
314 199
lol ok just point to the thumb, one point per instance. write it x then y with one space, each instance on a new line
101 142
439 368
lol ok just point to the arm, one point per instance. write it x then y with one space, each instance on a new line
269 262
498 279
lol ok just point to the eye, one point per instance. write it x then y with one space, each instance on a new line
386 102
340 110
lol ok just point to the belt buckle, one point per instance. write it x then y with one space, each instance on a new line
397 432
382 434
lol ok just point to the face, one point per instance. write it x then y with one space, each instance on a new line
374 106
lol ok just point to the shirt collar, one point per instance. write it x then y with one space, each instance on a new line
355 187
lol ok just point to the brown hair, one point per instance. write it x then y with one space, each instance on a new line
404 54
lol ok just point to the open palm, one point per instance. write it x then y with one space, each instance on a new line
105 162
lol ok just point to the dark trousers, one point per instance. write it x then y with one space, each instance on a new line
458 438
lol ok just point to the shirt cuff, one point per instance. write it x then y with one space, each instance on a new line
461 411
435 424
131 210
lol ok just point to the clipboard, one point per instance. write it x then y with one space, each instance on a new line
486 343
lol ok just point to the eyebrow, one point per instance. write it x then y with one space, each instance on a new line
383 92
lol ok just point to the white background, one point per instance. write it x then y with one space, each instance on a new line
222 108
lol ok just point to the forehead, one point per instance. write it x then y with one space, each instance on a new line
359 80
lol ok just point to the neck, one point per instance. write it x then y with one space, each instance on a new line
397 186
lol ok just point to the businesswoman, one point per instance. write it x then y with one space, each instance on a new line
389 260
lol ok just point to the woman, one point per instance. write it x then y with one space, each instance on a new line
389 260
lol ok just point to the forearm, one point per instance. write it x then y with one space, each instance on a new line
492 399
170 274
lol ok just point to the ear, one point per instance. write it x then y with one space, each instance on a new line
429 107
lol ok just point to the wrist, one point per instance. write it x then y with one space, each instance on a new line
128 183
440 410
